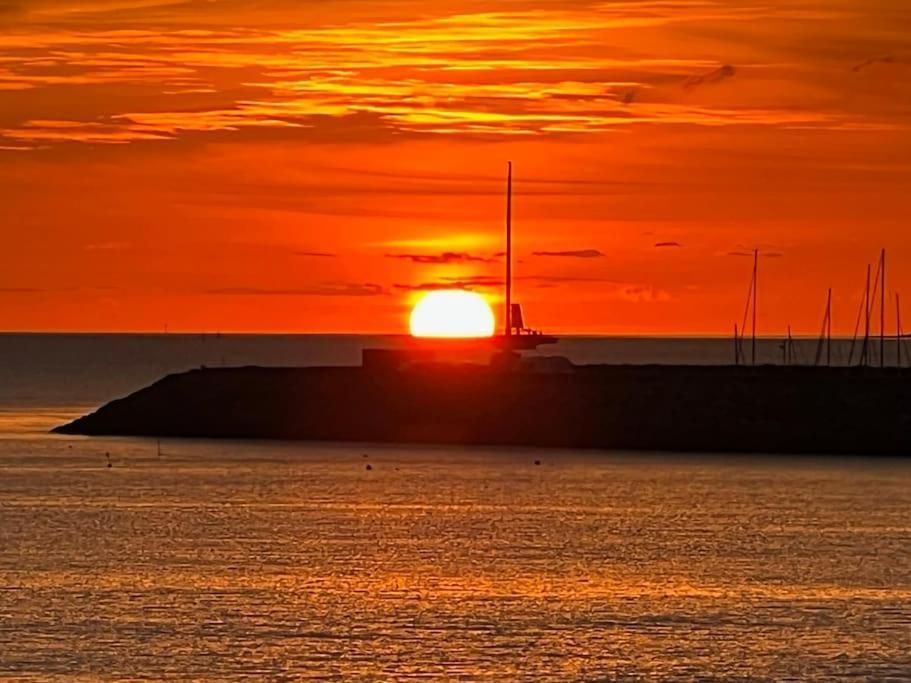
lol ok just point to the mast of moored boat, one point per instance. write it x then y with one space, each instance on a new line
898 329
854 337
785 354
882 310
863 351
825 335
755 297
740 333
790 354
736 345
829 329
508 316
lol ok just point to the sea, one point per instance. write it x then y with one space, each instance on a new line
191 560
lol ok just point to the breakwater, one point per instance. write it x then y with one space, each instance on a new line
674 408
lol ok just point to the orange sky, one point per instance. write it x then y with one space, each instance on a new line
279 165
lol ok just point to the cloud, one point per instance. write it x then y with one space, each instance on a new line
444 258
478 280
578 253
881 59
467 283
317 254
155 70
562 279
722 73
661 245
624 291
56 290
642 294
427 286
322 289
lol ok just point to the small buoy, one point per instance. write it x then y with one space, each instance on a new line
537 462
108 456
369 467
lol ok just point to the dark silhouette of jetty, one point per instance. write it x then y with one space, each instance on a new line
770 409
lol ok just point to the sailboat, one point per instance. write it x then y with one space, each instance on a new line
517 336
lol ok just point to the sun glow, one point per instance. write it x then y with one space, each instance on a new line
454 313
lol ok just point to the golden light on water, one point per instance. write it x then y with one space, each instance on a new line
452 313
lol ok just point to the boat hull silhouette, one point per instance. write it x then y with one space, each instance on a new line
666 408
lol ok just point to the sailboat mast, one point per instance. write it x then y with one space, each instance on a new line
863 353
898 329
755 295
784 348
508 316
736 346
882 311
790 347
829 329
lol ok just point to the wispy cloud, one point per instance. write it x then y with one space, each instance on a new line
474 282
444 258
867 63
164 70
576 253
315 254
642 294
344 289
722 73
606 287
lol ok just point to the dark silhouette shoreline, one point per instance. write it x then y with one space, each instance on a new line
765 409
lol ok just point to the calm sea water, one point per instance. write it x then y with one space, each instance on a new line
225 561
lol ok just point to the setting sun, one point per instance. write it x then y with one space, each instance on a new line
453 313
